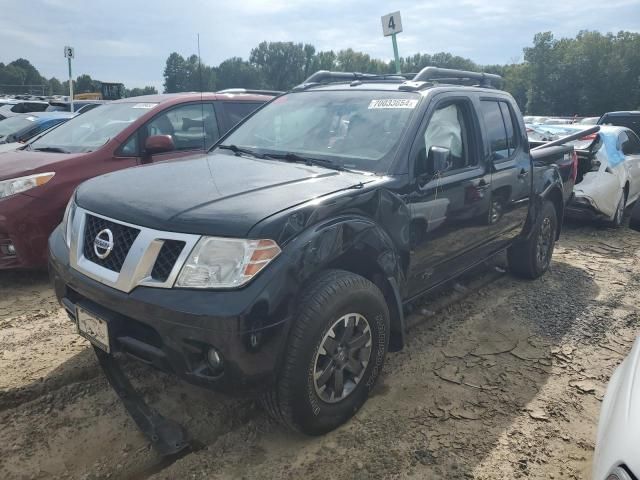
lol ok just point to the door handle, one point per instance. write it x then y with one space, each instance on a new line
523 173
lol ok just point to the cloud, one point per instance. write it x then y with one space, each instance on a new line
129 41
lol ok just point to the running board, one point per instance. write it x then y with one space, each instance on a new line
166 436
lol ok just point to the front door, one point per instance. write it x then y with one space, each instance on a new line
450 202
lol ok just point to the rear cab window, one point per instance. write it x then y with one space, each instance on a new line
501 127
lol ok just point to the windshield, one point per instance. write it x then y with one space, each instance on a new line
354 129
14 124
93 129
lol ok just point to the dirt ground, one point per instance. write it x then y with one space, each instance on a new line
501 378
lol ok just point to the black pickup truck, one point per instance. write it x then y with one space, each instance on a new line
280 263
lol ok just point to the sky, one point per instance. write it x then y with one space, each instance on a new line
129 41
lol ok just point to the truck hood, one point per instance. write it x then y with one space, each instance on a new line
19 163
215 194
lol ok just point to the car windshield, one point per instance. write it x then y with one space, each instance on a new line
93 129
353 129
14 124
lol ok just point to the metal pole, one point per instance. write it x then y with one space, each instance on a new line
70 85
395 52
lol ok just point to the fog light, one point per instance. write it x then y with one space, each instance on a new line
215 360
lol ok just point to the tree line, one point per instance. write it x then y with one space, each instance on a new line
586 75
20 76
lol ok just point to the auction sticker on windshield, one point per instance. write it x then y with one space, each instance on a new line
144 105
393 103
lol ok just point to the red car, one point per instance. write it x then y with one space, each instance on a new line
37 181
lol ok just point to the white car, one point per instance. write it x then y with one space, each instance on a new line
608 175
617 455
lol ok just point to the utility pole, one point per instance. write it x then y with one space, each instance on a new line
69 54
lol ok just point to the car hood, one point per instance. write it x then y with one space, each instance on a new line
619 426
25 162
215 194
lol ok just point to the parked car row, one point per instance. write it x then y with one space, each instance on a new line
608 174
38 179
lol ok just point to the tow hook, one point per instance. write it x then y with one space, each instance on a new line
166 436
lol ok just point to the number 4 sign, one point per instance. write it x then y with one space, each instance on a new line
391 24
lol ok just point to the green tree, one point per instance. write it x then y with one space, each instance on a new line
55 87
237 73
175 74
85 84
136 92
282 64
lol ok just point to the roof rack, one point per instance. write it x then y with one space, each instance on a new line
447 75
324 76
250 91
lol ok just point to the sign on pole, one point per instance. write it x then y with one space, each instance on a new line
69 54
391 26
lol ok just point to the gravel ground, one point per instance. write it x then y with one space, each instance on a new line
501 378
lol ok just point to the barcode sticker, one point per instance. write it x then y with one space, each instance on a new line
393 103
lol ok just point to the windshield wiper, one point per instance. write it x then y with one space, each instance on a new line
50 149
240 150
294 157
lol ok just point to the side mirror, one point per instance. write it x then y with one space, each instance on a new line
440 159
158 144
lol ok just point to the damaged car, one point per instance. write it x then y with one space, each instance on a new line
608 175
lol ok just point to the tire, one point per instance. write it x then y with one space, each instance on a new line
531 258
618 216
306 396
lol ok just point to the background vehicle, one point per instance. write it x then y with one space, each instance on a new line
121 134
79 106
280 262
616 455
622 119
589 121
608 175
26 126
26 106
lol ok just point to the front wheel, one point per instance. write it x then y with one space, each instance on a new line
334 356
531 258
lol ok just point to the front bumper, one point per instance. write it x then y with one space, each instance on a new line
173 329
25 224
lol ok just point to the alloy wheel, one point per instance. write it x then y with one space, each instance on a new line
342 358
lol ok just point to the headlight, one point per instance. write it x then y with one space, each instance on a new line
226 262
22 184
67 220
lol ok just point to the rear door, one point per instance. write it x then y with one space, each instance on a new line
510 162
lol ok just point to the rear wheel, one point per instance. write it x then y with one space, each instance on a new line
531 257
334 356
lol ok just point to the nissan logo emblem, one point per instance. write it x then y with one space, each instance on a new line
103 243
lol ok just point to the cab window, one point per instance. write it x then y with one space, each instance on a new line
450 127
191 126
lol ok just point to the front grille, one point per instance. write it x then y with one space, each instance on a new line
167 257
123 238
